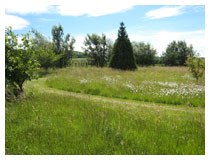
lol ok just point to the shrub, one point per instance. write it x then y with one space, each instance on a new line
196 66
144 53
47 58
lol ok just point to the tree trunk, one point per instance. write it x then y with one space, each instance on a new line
21 87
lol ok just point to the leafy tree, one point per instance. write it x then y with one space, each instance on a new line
57 38
44 51
39 40
62 46
144 53
176 53
46 57
122 53
98 49
67 50
20 60
196 66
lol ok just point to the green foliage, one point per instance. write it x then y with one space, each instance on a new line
122 53
196 66
57 38
98 49
20 59
39 41
62 46
144 53
44 51
47 58
176 53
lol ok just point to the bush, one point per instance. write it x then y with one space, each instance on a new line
122 54
196 66
47 58
144 53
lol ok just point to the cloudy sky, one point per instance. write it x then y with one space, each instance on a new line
156 24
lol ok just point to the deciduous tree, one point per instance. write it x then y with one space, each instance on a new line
98 49
20 59
144 53
176 53
62 46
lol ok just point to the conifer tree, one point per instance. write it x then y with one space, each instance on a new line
122 54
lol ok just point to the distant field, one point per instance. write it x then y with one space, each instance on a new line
169 85
76 111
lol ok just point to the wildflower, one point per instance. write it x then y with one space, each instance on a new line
83 81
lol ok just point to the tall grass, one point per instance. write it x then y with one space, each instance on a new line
50 123
55 121
169 85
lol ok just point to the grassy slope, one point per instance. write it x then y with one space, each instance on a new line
51 121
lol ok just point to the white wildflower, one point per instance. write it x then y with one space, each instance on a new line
83 81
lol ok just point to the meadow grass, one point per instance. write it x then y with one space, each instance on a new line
169 85
50 123
55 121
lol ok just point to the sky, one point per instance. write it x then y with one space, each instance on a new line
157 24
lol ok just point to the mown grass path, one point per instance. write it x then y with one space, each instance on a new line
40 85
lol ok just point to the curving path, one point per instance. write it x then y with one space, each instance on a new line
41 87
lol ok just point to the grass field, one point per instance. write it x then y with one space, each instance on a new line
104 111
170 85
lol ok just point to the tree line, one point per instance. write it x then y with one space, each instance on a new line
23 59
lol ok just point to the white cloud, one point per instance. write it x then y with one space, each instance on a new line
94 8
73 8
27 6
15 22
165 12
89 7
79 42
160 40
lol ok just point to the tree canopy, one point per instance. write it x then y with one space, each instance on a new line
144 53
62 46
98 49
176 53
20 59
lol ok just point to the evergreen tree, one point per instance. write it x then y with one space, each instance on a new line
122 54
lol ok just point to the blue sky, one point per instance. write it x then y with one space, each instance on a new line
156 24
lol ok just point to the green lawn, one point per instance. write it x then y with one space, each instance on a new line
56 121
